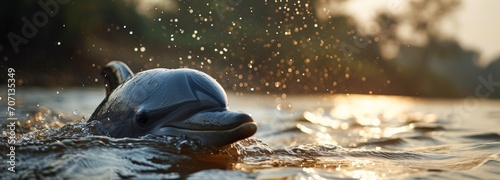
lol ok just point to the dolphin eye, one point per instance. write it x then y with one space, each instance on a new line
141 118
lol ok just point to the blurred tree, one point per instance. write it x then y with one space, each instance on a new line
492 76
413 38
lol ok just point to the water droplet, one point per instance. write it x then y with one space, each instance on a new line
58 43
277 84
143 49
284 107
159 19
131 32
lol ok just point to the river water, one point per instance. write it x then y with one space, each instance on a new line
300 137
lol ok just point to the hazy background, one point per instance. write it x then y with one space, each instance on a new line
418 48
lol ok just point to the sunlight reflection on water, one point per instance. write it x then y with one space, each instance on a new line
365 118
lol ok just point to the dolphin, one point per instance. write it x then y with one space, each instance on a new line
175 102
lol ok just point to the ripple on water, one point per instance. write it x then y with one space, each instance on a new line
295 144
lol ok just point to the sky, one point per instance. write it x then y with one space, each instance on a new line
475 24
479 27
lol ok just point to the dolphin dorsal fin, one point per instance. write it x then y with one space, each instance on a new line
115 73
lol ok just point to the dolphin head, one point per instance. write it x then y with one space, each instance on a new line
175 102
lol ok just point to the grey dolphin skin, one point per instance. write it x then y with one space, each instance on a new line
174 102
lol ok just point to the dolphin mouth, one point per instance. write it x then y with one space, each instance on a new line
215 128
212 120
215 138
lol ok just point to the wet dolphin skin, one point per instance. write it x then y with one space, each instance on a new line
175 102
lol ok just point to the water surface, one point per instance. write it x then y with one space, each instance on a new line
315 137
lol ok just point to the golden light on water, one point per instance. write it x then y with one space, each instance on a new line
358 118
354 136
313 174
364 174
321 135
322 120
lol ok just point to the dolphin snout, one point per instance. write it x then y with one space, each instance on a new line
216 128
215 120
